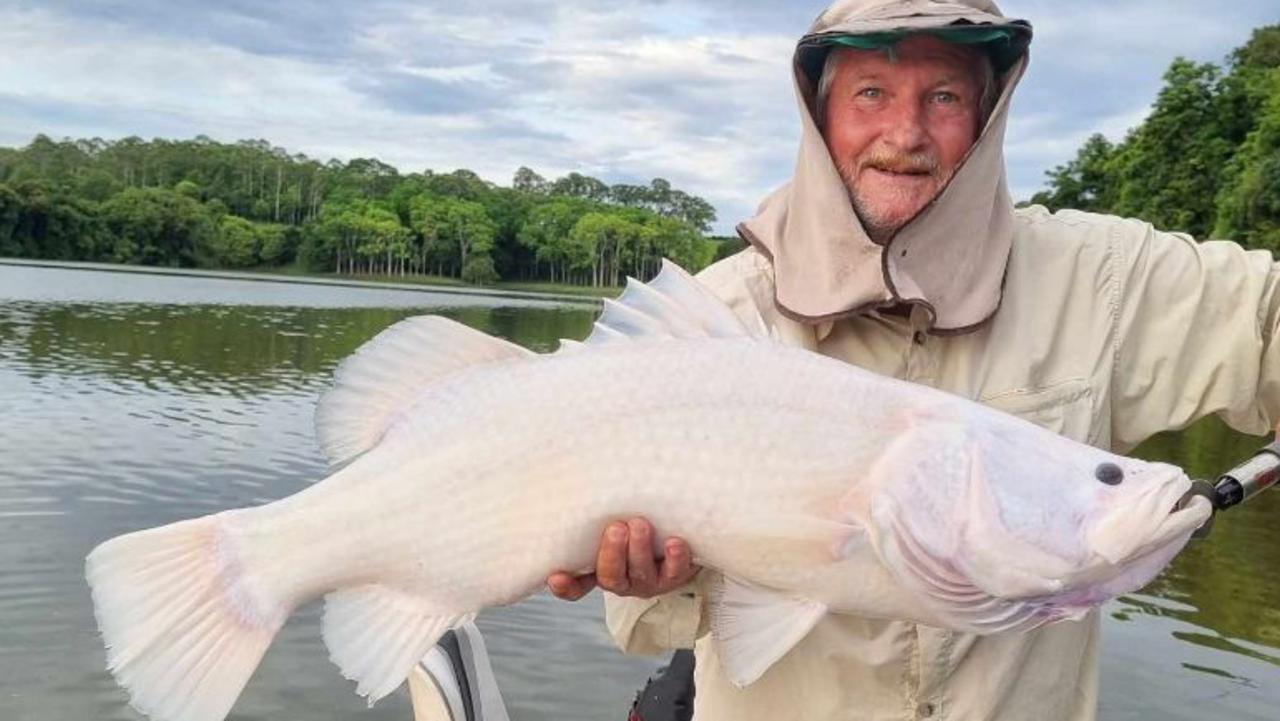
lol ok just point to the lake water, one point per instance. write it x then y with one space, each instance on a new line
128 401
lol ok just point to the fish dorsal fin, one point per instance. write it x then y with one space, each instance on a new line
753 627
384 376
672 305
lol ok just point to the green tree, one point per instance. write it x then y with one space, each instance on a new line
676 240
576 185
462 226
277 243
546 231
235 245
1084 183
1169 170
188 189
11 211
1246 204
1249 205
603 242
156 226
527 181
479 270
97 185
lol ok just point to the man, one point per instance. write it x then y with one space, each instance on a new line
896 247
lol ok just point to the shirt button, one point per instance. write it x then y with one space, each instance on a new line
925 710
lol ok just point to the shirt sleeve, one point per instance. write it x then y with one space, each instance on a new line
1195 334
659 624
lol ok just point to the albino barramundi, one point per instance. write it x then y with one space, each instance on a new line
473 467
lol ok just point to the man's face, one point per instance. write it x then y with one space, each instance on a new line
897 128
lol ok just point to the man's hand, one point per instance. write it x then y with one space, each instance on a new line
627 566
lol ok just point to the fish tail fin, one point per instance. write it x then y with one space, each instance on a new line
184 630
376 634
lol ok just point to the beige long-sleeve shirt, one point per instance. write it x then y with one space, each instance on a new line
1108 332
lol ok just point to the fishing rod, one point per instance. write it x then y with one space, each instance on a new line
1239 484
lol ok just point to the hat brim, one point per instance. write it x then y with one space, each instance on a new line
1004 44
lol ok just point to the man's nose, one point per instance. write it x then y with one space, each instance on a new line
906 130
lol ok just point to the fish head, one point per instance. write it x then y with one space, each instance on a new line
1095 524
1143 515
1020 512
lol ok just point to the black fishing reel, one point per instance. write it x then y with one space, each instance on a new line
1238 484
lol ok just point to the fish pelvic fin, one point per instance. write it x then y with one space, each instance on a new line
752 627
381 380
672 305
375 635
183 630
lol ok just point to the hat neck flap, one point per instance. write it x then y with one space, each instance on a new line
950 258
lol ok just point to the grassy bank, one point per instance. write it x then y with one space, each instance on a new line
292 274
528 286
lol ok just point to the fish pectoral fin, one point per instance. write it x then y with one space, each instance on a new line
376 634
796 539
752 627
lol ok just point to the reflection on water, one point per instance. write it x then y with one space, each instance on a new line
1229 583
1207 631
243 349
128 402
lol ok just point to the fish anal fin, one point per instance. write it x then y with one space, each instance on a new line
753 627
385 375
376 634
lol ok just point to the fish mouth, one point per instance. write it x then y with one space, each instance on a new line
1199 489
1180 508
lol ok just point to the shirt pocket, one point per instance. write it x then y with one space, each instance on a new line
1065 407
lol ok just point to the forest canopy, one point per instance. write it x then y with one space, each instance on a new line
201 203
1205 161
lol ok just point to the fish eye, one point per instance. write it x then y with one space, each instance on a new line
1109 473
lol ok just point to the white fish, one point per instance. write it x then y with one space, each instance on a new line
474 467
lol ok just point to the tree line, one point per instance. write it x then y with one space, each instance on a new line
202 203
1205 161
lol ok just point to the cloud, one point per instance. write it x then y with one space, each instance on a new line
284 28
695 91
423 95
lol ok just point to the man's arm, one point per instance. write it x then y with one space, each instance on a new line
1196 328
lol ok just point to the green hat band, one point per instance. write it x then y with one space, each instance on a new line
999 42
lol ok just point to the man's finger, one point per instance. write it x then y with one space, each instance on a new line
611 559
677 566
570 588
641 570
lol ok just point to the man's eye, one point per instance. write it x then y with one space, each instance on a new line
945 98
870 93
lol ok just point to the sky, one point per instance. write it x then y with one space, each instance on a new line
695 91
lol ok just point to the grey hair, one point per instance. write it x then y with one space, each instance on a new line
986 77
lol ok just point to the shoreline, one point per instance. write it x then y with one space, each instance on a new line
271 277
